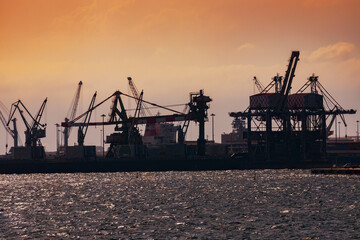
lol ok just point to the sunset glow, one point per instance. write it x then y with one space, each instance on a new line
171 48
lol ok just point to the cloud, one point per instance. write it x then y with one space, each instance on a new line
245 46
94 14
320 3
340 51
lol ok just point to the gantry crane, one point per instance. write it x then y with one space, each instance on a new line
268 117
72 113
290 127
125 126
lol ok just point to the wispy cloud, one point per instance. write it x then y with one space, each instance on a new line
94 13
320 3
340 50
245 46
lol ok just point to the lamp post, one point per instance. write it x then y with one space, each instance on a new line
101 137
212 118
345 131
357 130
103 134
336 137
57 137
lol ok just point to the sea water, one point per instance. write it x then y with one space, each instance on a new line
261 204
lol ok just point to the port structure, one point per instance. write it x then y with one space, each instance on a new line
127 138
34 131
288 127
155 134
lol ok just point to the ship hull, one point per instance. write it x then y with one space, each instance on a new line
114 165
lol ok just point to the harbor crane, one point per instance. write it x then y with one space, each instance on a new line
290 127
125 126
34 130
72 113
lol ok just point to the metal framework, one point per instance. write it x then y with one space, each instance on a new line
83 129
13 132
284 127
332 107
258 84
72 113
126 127
34 130
144 110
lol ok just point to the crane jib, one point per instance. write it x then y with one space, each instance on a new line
141 120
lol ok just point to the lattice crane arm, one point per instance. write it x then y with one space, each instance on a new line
75 102
4 123
177 116
36 121
289 75
84 127
16 106
144 109
258 84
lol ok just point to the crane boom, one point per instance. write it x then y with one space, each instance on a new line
144 109
289 75
37 119
7 128
258 84
72 112
13 133
83 129
75 102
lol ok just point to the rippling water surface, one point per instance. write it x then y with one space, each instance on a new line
264 204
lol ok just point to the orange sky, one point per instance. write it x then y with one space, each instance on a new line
171 48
